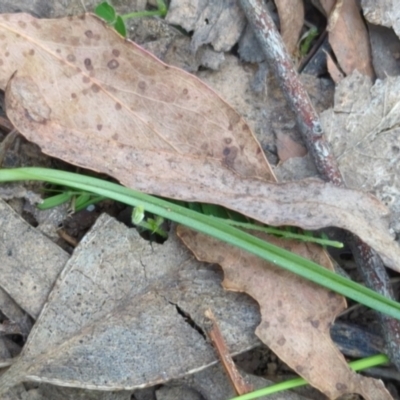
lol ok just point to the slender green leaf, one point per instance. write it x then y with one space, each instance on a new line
215 228
55 201
358 365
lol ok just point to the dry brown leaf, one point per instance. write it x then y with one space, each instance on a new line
291 18
348 36
333 69
296 314
288 148
159 130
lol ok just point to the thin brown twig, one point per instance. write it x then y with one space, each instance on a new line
215 335
369 264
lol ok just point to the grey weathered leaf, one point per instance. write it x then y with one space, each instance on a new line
113 320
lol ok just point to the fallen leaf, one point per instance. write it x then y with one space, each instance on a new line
30 261
295 313
288 148
159 130
382 12
348 36
334 71
291 18
219 23
362 128
117 316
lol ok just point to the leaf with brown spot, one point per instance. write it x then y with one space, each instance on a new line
296 314
158 129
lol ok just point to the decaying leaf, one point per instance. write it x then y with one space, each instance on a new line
291 18
348 36
363 130
113 320
382 12
217 22
30 261
155 128
296 314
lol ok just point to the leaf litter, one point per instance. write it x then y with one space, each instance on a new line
363 129
180 139
112 321
90 74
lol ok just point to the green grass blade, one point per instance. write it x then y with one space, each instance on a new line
217 229
358 365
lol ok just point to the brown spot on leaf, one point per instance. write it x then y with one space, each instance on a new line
279 303
1 62
31 52
71 58
113 64
118 106
58 51
115 136
228 140
116 53
22 24
95 88
230 127
88 64
36 24
99 127
341 386
315 323
281 341
142 85
230 154
85 79
73 95
89 34
185 91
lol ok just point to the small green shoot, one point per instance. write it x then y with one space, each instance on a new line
107 12
150 224
306 40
